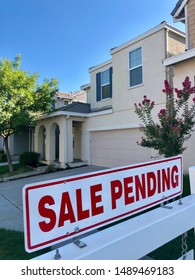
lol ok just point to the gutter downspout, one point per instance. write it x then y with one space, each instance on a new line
166 52
186 27
168 73
68 116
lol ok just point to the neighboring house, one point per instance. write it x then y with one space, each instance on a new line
24 141
21 142
104 131
1 143
63 99
183 64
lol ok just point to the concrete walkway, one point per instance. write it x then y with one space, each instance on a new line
11 208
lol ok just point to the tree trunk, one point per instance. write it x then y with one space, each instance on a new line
11 169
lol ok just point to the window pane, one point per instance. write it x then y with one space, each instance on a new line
106 92
105 77
135 58
136 76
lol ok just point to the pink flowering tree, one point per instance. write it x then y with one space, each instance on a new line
175 121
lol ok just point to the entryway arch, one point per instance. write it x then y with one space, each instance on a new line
55 141
42 142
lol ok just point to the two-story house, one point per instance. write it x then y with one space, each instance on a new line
135 70
183 64
105 130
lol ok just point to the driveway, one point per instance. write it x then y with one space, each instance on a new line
11 209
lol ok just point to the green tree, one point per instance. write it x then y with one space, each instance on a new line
175 121
22 99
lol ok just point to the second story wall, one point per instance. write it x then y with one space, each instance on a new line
138 71
176 44
100 93
184 12
135 70
191 23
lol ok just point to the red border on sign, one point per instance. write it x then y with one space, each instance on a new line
44 244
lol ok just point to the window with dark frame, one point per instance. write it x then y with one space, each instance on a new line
135 67
104 84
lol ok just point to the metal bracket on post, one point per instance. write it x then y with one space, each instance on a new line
106 244
180 202
164 204
78 242
57 255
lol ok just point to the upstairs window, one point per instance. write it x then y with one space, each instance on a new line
104 85
135 67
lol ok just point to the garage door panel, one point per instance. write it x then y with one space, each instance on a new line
117 147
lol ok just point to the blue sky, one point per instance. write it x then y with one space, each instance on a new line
64 38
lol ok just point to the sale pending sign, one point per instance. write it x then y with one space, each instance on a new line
61 209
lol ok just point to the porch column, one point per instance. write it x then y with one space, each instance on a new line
40 139
36 149
69 141
63 143
49 151
48 157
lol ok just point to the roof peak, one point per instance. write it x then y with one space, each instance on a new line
145 34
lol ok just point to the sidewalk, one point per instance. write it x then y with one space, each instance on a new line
11 208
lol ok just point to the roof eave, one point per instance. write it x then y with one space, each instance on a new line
163 25
179 58
177 11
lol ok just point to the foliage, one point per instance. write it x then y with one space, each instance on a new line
29 158
175 122
18 169
12 246
22 99
3 157
50 168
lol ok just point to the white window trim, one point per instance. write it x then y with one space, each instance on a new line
103 85
140 65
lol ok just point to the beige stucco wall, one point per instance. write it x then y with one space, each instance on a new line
91 94
66 152
122 116
124 97
181 70
80 97
191 23
176 44
154 48
50 125
153 51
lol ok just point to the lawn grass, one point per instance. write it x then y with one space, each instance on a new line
18 169
172 250
12 246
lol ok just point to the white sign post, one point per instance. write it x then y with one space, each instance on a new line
61 209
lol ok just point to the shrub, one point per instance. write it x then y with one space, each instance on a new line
51 168
175 121
29 158
3 157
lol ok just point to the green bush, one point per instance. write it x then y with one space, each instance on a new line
3 157
51 168
29 158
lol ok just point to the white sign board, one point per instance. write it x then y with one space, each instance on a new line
61 209
189 256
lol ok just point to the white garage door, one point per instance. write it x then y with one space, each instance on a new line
117 148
